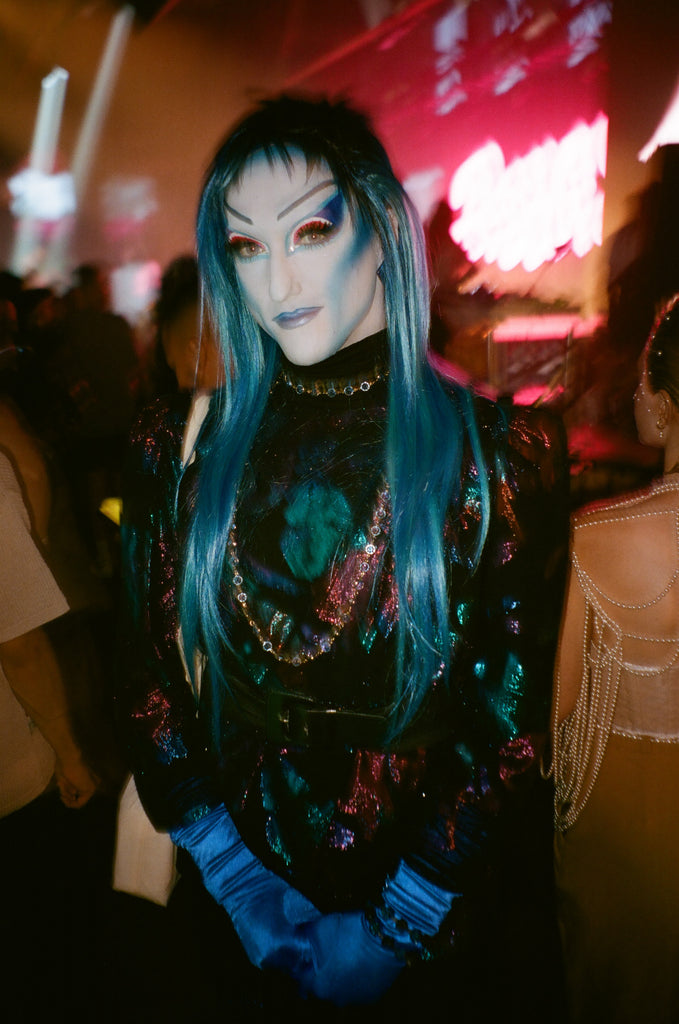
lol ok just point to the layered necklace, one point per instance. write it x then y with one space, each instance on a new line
350 372
345 585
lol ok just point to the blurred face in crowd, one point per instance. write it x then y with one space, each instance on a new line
192 355
306 268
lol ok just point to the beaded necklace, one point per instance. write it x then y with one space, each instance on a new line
368 543
331 388
334 385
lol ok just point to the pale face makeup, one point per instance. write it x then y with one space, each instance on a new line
307 271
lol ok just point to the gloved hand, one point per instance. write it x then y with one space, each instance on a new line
352 964
265 910
349 963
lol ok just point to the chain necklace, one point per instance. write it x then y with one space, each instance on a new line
363 556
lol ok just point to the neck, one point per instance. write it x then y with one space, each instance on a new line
355 368
671 454
671 441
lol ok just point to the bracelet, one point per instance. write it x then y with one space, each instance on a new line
409 946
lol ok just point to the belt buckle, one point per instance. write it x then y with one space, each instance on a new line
294 719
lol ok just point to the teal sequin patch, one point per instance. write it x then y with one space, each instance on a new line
319 819
275 842
505 703
463 612
295 783
511 695
317 516
480 669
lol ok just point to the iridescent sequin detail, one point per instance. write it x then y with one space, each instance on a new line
343 588
335 817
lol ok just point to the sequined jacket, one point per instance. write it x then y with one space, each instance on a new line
299 753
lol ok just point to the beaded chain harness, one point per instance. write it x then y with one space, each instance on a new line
580 740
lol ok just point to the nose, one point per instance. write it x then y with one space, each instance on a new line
282 279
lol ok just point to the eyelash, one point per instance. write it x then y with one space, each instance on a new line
240 244
316 231
307 235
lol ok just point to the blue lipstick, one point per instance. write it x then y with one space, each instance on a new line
297 318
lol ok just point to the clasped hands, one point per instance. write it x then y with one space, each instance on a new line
334 957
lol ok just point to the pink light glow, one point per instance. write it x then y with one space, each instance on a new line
527 211
552 327
534 393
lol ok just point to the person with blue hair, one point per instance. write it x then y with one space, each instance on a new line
343 606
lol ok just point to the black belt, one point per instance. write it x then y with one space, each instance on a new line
287 718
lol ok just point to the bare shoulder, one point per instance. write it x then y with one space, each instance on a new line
629 542
627 509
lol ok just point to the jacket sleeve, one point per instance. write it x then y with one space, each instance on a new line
522 575
501 676
156 708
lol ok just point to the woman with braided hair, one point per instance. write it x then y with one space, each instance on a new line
616 729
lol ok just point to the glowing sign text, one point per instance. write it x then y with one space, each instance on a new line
543 203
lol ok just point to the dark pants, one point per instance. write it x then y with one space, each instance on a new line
54 904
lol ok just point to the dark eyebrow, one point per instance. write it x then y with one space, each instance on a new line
311 192
241 216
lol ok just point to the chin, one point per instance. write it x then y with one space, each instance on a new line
307 353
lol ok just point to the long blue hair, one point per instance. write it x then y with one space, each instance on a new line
425 429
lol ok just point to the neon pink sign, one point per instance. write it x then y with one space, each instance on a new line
539 204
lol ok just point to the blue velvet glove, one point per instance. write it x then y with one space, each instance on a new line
356 961
265 910
350 965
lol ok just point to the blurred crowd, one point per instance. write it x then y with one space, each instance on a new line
73 377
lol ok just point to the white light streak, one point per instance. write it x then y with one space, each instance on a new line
41 162
100 98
